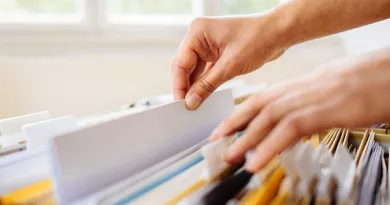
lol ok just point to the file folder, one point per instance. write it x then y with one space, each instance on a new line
87 160
13 125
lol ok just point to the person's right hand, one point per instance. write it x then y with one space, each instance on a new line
351 93
216 50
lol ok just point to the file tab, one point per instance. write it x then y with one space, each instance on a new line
14 124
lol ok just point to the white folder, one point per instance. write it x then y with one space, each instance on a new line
13 125
87 160
39 133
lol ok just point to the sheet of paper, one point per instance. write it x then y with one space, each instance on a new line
157 169
384 195
170 189
39 133
214 154
90 159
307 168
13 125
388 180
371 176
153 182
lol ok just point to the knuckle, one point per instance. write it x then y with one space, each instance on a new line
198 22
333 87
183 69
255 101
175 69
254 97
269 113
180 66
205 85
257 98
265 147
251 137
252 101
347 72
293 125
226 124
337 80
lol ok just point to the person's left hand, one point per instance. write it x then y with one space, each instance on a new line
344 94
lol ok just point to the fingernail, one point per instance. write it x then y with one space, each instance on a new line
250 154
231 154
193 101
254 162
251 165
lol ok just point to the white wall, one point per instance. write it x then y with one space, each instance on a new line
98 78
367 38
86 83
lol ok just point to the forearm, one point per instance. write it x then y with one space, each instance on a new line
302 20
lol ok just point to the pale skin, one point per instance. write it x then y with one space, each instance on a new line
350 93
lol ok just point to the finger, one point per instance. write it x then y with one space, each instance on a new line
192 56
252 106
245 113
302 122
207 84
200 69
239 119
277 109
194 51
182 68
268 117
249 140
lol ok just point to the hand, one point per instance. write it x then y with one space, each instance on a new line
216 50
346 94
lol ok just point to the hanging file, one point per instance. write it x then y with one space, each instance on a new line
90 159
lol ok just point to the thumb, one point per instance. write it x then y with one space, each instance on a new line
204 86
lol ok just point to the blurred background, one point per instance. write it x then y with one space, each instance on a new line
80 57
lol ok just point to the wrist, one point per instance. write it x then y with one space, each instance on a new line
283 26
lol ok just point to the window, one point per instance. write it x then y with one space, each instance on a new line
24 11
247 6
149 11
112 16
146 7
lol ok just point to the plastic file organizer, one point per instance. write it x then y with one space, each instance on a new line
13 139
162 156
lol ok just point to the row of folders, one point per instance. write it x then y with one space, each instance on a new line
162 156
